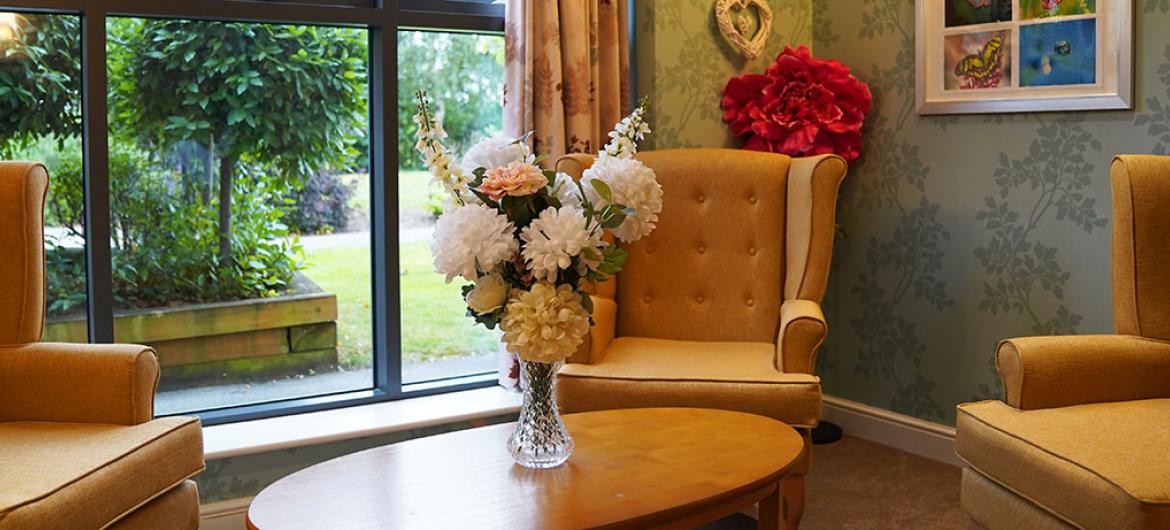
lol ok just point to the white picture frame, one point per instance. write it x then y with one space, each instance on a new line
955 70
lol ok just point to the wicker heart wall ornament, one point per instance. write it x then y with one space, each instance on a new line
735 20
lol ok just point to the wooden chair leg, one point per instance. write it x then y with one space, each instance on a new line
792 490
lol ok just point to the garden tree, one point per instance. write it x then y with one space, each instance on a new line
40 81
463 74
289 98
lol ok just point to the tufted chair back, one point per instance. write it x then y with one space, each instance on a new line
22 282
739 233
1141 246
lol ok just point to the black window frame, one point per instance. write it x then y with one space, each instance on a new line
382 19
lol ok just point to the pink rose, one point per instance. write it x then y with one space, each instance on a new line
516 179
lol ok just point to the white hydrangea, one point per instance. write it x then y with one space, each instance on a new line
469 237
634 186
545 323
566 190
497 151
554 238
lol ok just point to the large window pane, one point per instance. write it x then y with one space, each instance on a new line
463 73
40 119
239 207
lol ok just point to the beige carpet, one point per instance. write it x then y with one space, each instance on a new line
857 484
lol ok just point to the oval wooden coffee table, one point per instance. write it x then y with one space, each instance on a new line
631 468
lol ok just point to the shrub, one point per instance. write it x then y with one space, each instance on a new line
165 247
321 207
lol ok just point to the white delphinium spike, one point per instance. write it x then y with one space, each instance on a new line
442 165
627 133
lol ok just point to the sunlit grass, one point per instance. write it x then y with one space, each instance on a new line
433 321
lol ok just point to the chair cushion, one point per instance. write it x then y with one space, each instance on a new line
177 509
992 506
1116 455
641 372
82 475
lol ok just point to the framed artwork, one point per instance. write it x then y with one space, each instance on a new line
978 56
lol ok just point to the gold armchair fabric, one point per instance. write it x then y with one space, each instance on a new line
1082 438
79 447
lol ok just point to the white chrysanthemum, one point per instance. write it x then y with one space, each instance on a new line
497 151
566 190
471 236
554 238
545 324
634 186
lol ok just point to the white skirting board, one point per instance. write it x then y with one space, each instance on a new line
224 515
902 432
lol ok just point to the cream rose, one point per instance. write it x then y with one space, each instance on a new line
489 294
516 179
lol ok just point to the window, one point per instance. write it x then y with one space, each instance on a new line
40 116
463 74
249 207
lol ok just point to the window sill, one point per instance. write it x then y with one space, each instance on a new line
270 434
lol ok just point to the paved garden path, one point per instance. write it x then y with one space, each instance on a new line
361 239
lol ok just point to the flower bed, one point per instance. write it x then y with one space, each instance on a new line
200 344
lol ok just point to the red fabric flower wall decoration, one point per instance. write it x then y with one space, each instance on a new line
800 106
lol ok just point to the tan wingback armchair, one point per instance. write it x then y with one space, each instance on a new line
79 448
720 306
1082 438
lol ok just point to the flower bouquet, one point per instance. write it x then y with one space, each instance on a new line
530 241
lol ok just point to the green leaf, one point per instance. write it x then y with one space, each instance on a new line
612 218
602 189
587 302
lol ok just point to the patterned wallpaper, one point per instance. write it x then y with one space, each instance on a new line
959 230
962 231
683 63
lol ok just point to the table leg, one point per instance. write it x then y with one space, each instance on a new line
770 513
792 490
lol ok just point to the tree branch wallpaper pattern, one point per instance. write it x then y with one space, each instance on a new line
683 63
965 230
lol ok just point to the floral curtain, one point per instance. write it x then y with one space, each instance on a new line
567 72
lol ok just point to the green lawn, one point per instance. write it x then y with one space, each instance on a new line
433 321
414 187
414 190
434 324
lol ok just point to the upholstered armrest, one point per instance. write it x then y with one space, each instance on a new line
601 334
810 224
1049 372
79 383
802 328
